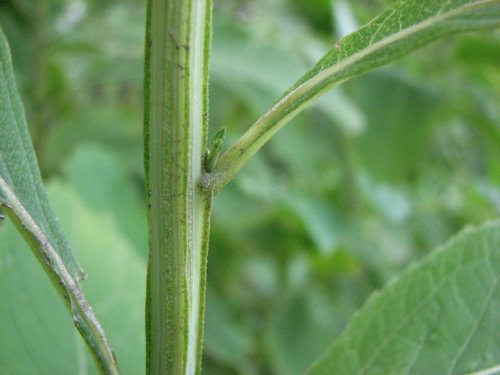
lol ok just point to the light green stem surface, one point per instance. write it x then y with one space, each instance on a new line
176 69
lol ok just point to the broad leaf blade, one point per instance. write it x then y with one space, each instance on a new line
36 333
404 27
21 188
440 317
26 203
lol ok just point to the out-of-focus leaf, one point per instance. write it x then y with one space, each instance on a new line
398 111
117 274
317 11
439 317
113 194
26 203
36 332
224 340
258 66
260 72
390 202
36 335
299 330
345 21
479 51
320 220
114 127
90 57
309 166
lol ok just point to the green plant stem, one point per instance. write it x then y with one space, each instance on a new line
176 71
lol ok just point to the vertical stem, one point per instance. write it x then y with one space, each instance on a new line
176 69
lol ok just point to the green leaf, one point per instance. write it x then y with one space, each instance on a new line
404 27
398 110
21 188
114 193
225 340
439 317
115 286
320 220
260 71
36 334
299 329
27 205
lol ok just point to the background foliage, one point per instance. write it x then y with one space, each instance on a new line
379 172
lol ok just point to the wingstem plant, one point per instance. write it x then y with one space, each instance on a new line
182 174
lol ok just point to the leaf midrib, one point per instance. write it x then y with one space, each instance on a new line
434 290
6 73
358 56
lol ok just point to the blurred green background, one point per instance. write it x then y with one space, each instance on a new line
372 177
